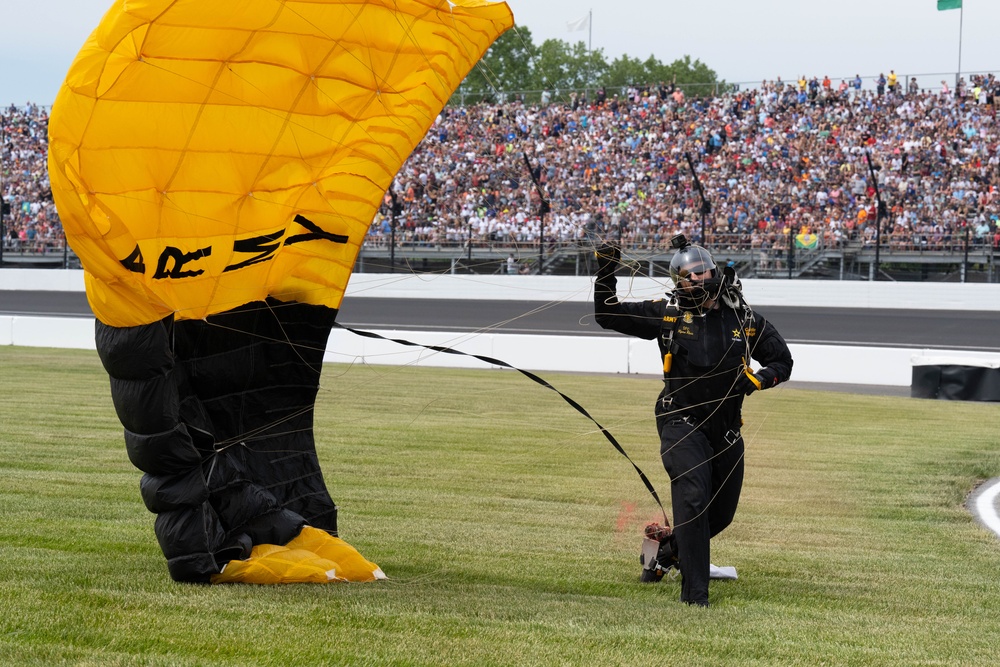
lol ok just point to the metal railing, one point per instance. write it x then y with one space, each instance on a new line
38 253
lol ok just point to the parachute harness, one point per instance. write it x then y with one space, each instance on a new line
732 296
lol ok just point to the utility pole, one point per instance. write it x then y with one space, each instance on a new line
880 211
3 202
705 207
791 250
965 258
393 212
535 173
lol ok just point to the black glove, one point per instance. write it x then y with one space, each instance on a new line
749 382
608 258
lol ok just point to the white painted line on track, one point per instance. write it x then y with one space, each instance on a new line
985 505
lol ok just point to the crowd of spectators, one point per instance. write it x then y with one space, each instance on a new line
30 220
785 156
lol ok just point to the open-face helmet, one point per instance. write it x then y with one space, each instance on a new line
696 277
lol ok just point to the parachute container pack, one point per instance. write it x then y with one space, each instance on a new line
216 167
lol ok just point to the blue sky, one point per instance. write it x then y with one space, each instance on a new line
742 40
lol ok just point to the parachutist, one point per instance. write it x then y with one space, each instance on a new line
707 336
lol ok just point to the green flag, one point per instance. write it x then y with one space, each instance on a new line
949 4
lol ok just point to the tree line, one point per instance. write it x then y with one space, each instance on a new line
515 65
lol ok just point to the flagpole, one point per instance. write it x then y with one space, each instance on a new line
590 37
961 15
590 41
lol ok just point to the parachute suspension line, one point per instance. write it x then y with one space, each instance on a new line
211 468
243 438
728 475
246 439
297 346
534 378
258 432
634 268
747 318
288 339
489 75
269 339
714 371
717 491
248 436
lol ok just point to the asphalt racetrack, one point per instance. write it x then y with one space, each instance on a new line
918 329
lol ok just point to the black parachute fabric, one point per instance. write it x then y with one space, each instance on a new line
218 414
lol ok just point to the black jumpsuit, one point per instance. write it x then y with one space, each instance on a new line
698 411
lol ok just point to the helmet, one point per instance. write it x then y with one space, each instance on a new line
691 259
695 260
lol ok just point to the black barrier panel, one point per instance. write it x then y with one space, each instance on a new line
955 382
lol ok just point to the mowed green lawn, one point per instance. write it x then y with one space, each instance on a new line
510 532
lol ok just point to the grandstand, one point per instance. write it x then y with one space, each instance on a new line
784 167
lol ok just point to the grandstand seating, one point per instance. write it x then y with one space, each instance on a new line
785 172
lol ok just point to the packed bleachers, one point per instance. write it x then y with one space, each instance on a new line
31 223
615 166
776 157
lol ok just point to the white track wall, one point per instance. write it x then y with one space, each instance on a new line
813 363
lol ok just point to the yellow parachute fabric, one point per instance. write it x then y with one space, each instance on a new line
208 155
312 557
205 155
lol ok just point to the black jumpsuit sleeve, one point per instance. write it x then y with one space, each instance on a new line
771 351
641 319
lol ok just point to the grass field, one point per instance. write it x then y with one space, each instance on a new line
510 532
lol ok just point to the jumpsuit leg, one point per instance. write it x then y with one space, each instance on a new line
727 480
694 477
685 453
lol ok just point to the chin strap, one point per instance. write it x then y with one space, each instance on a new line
685 302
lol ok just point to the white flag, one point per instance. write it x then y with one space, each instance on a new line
579 24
